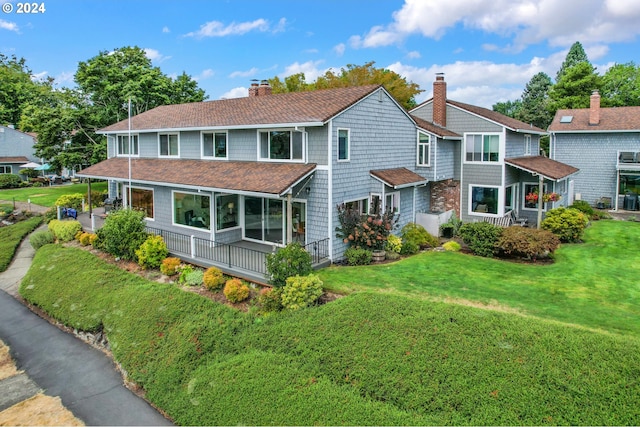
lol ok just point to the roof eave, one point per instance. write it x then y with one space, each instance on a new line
206 128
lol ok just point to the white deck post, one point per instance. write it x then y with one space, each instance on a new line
193 246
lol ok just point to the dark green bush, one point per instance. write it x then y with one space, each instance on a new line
417 234
41 238
409 248
292 260
566 223
583 207
530 243
10 180
152 252
122 233
358 256
481 237
301 291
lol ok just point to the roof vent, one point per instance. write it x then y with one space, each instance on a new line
566 119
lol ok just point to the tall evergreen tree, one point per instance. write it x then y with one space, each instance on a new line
535 101
575 87
575 56
508 108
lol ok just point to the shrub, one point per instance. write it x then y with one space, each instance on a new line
236 291
41 238
394 244
451 246
93 238
64 231
292 260
170 266
79 235
392 256
364 231
213 279
70 201
583 207
84 239
481 237
566 223
529 243
122 233
409 248
190 276
10 180
270 299
358 256
152 252
301 291
417 234
50 215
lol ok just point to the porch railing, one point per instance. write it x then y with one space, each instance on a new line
229 255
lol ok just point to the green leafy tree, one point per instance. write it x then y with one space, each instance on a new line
574 88
575 56
621 85
354 75
508 108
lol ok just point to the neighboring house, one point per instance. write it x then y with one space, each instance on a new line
498 162
271 169
605 144
16 148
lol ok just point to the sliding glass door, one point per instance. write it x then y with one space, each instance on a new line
264 219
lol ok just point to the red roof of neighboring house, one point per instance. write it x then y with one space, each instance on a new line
17 159
398 177
296 107
256 177
611 119
544 166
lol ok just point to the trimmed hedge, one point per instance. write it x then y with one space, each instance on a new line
65 231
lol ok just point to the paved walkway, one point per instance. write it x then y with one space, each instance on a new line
84 378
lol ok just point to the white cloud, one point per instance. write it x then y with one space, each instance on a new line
10 26
155 55
218 29
339 49
249 73
40 77
525 22
414 54
281 26
205 74
166 29
65 78
237 92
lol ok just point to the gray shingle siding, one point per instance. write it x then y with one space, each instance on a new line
14 143
477 175
596 155
447 164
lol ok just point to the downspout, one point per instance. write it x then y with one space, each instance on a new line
330 188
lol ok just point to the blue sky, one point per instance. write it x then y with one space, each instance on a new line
488 50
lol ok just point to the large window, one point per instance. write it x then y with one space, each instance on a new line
482 148
361 206
169 145
281 145
191 210
214 145
126 149
484 200
527 145
142 199
424 143
5 169
343 144
226 211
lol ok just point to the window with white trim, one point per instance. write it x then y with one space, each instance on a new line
344 144
527 145
424 145
126 149
5 169
169 145
392 202
482 147
375 204
192 210
214 145
483 200
142 200
361 206
281 145
510 198
529 188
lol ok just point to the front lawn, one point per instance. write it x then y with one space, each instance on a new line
11 236
47 196
595 284
370 358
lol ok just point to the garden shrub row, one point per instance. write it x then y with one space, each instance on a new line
358 361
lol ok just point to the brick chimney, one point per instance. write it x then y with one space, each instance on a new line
264 88
253 90
440 100
594 109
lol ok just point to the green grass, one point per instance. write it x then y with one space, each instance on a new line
595 284
371 358
11 236
47 196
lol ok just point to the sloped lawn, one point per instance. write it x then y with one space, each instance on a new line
11 236
371 358
595 284
47 196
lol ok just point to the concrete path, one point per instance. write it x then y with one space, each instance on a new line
84 378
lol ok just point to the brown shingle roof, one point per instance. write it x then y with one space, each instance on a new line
611 119
258 177
500 118
548 168
436 129
297 107
18 159
398 177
